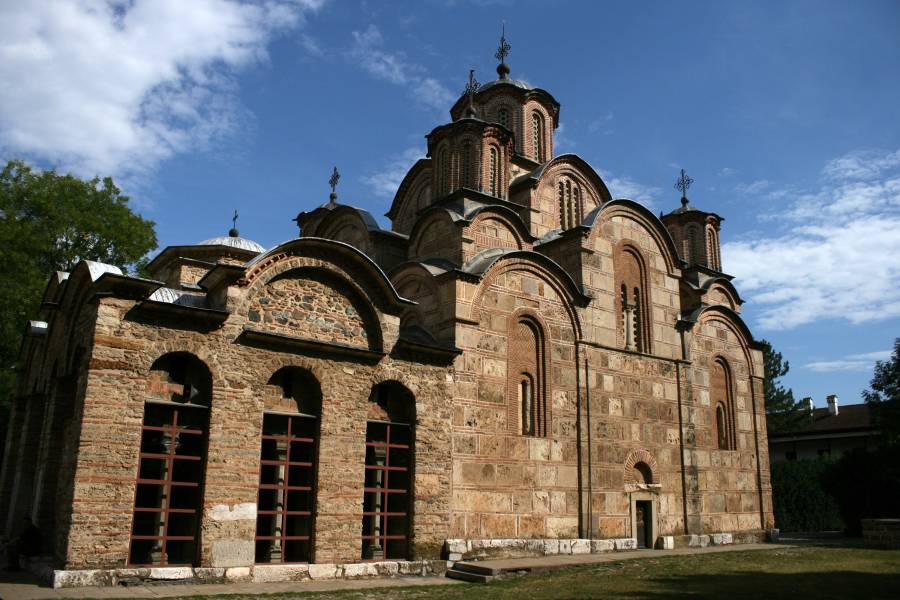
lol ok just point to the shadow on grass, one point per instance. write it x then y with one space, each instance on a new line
818 585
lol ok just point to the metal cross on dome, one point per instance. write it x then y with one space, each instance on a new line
503 50
333 180
473 84
683 183
234 220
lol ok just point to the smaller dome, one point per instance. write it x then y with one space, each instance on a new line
513 82
233 242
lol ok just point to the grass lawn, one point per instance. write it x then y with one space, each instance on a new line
802 572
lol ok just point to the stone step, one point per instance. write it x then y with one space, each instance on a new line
468 576
477 568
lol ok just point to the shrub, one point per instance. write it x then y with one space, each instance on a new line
801 500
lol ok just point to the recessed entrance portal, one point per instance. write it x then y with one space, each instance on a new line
643 516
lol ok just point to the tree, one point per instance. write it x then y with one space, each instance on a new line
49 222
883 396
783 413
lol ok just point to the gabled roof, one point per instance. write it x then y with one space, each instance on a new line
852 417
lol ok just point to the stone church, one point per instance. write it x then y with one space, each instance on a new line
521 365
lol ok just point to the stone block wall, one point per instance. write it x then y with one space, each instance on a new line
506 484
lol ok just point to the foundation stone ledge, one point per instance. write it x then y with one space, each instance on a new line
255 573
467 549
722 538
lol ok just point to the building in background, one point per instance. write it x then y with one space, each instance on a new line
521 357
829 431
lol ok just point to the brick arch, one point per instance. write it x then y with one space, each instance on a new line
386 374
279 361
199 350
633 211
630 270
515 227
723 393
329 281
343 259
735 324
640 455
506 264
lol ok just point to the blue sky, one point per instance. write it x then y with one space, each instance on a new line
785 113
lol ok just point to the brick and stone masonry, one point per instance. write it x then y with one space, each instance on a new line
566 361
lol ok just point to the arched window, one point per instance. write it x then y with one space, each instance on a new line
643 473
168 500
721 397
494 172
503 116
571 211
712 248
527 407
288 465
632 303
537 133
387 500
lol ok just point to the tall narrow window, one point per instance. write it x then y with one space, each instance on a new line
287 474
537 133
387 502
493 173
443 172
168 496
526 400
629 319
466 167
690 244
561 198
503 117
721 396
527 383
578 203
632 301
721 429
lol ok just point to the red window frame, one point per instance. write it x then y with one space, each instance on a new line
283 487
167 484
380 495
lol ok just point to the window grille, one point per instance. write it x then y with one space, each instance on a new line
168 495
537 131
287 480
386 500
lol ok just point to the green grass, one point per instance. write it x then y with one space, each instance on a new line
790 573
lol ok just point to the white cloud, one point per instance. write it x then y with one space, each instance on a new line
394 67
118 87
861 164
836 257
385 182
603 125
562 143
626 187
855 362
727 172
754 187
